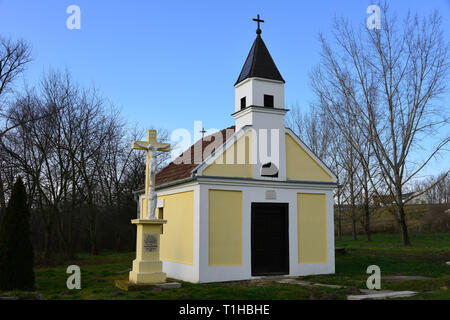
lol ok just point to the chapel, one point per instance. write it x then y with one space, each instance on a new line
250 200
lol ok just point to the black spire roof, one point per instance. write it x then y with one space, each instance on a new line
259 63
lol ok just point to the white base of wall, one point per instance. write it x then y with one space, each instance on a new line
187 273
313 269
223 274
180 271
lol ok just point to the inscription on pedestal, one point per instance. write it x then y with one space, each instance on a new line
150 242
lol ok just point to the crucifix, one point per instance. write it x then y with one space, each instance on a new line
258 30
150 146
203 131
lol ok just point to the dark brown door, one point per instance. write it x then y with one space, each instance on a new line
270 239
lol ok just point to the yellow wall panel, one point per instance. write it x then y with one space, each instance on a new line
312 228
177 240
300 165
225 227
236 161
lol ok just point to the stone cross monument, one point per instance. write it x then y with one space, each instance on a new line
147 267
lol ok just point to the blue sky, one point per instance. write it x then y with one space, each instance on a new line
168 63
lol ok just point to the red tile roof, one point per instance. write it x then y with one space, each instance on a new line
176 170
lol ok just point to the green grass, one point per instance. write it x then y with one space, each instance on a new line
99 273
423 244
426 258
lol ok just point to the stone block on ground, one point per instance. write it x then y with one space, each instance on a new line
295 281
369 291
403 278
332 286
124 271
395 294
129 286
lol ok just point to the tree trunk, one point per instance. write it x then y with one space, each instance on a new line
47 242
117 210
403 226
118 241
353 208
64 239
339 207
92 230
339 223
367 222
400 206
2 199
354 236
366 204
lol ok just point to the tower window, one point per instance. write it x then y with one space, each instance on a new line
243 103
268 101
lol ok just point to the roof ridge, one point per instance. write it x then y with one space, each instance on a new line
255 53
177 171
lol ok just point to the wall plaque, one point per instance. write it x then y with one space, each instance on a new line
150 242
271 195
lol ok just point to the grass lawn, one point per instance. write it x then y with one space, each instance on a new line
426 258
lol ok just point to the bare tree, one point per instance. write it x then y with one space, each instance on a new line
337 164
390 80
312 129
436 189
14 57
39 150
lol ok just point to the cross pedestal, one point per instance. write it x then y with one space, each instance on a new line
147 268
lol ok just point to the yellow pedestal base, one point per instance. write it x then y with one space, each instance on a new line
147 268
147 277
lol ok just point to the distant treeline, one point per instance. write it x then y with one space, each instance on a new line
421 218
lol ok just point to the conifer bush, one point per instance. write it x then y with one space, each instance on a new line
16 250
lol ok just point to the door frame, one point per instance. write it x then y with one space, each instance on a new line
284 211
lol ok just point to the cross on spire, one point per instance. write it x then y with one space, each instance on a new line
203 131
258 30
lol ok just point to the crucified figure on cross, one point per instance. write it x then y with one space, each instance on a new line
150 146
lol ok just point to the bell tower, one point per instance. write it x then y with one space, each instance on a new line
259 103
259 89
